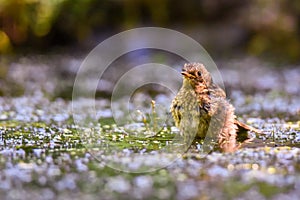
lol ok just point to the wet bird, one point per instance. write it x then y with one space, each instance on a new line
200 109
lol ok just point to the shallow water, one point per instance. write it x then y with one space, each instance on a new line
46 154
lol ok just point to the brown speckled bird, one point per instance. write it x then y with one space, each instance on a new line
201 109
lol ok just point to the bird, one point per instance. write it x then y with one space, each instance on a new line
201 110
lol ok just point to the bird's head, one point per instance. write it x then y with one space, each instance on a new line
195 74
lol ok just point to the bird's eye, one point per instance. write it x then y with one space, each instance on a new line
199 73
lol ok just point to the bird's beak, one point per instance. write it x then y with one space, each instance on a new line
185 74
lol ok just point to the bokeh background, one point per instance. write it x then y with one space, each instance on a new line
43 155
268 29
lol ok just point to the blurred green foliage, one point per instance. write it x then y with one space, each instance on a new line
269 28
275 28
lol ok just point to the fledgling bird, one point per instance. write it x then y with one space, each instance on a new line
202 105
